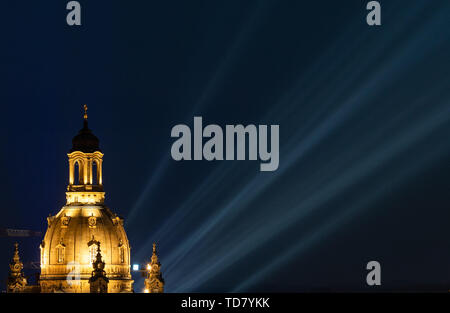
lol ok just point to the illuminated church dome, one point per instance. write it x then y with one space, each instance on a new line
71 242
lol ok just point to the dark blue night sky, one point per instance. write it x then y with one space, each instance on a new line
364 115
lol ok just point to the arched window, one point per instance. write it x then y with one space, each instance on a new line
94 172
60 250
122 254
76 173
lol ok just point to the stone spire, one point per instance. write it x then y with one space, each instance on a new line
98 281
16 279
154 283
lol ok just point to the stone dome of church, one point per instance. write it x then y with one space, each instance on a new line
84 230
71 241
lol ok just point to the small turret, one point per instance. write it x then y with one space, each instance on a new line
98 281
16 279
154 283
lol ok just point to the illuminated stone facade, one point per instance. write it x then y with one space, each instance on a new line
70 245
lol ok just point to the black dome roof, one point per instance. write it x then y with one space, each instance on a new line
85 140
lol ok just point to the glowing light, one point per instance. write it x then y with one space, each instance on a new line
135 267
146 291
149 267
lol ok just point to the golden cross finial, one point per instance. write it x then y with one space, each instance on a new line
85 112
154 247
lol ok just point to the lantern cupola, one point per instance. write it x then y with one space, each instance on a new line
85 168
